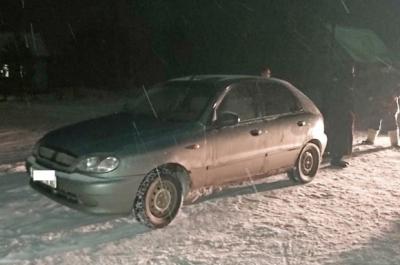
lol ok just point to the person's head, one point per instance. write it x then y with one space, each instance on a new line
266 72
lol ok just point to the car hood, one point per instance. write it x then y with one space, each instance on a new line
113 133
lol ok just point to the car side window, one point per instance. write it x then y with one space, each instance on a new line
276 99
241 100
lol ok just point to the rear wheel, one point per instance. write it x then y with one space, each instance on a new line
307 164
158 199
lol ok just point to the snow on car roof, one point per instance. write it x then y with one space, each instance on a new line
212 78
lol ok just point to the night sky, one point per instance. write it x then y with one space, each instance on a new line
129 43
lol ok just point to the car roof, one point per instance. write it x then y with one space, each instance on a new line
222 80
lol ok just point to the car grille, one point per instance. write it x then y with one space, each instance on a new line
55 156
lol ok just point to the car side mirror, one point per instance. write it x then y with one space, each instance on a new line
227 119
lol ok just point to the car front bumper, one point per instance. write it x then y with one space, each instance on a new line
89 194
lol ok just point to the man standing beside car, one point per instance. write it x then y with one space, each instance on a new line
339 117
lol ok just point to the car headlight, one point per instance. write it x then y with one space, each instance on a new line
98 164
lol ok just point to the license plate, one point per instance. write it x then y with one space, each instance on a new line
47 177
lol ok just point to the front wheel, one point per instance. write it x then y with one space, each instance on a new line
307 164
158 199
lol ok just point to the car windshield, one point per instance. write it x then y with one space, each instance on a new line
174 101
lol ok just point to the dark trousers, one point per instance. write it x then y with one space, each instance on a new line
339 129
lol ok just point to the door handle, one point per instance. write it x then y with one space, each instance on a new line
301 123
256 132
193 146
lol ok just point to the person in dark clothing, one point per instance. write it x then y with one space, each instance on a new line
385 109
338 112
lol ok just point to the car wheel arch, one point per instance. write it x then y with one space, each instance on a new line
181 173
316 142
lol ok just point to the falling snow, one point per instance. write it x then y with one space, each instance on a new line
348 216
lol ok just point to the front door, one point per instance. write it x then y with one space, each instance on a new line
235 152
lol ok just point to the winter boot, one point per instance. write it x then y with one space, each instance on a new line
372 134
394 138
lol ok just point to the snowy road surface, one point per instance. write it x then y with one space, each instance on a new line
348 216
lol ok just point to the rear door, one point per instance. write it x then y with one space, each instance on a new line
286 125
235 151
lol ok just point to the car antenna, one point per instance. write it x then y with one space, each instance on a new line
148 100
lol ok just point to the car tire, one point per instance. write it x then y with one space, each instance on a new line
158 199
307 164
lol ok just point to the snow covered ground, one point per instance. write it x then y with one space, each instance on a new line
348 216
